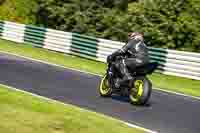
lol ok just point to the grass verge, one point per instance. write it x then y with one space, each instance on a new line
17 115
172 83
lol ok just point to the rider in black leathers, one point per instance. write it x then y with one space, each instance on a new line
134 54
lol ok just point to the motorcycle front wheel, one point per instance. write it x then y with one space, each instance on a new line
104 89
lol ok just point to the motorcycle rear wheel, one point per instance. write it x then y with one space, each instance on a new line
141 91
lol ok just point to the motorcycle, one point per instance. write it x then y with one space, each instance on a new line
139 89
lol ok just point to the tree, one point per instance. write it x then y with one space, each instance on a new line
168 24
97 18
173 24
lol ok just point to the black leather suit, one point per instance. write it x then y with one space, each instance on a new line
134 54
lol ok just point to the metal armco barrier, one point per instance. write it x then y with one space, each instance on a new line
171 62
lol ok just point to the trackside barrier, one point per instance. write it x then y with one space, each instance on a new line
171 62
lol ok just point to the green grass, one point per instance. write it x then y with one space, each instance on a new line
23 113
172 83
53 57
18 11
176 84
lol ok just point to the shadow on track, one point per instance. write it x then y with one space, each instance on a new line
125 99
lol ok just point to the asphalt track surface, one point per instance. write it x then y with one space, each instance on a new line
166 113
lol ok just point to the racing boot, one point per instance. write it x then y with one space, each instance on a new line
126 75
117 83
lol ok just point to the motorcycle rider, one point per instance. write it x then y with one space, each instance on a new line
134 54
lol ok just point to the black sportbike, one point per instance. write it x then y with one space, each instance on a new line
139 89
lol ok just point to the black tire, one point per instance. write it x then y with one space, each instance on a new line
141 96
104 89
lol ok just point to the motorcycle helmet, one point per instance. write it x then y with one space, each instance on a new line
136 36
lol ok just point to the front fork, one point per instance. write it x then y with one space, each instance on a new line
110 76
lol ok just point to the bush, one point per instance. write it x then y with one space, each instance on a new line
20 11
173 24
100 18
2 1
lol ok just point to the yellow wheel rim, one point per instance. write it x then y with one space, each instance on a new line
139 87
104 87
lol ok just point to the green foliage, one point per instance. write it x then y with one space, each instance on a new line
101 18
18 11
170 24
173 24
2 1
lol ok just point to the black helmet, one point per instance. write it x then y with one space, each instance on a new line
136 35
